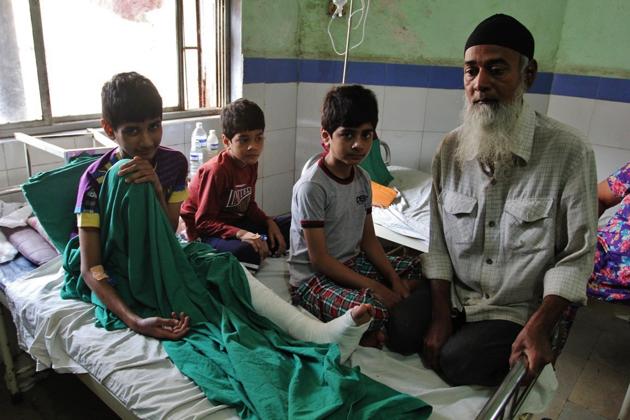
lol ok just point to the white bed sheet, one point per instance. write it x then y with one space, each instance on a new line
409 214
61 334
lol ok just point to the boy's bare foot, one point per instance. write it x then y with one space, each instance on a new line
362 313
373 339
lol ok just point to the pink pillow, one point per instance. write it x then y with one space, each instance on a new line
34 223
30 244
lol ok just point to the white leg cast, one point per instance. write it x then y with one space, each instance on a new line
342 330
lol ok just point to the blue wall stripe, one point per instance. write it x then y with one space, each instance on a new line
580 86
287 70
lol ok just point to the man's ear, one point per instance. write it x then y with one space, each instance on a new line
109 131
530 73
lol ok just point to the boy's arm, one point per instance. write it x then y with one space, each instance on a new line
140 170
375 253
90 248
207 222
324 263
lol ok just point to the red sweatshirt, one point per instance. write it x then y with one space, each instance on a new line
221 193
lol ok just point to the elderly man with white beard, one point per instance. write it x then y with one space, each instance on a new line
513 218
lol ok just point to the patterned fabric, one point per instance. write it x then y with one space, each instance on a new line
611 275
327 300
525 232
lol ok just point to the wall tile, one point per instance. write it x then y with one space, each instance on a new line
539 102
3 165
280 105
309 103
307 144
609 159
443 109
405 147
14 155
279 153
610 125
173 133
4 180
17 176
403 108
379 91
576 112
255 92
430 143
277 191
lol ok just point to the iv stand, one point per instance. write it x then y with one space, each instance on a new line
345 55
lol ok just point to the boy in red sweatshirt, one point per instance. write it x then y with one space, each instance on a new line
221 208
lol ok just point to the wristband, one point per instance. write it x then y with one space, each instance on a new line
98 272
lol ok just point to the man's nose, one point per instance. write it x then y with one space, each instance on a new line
482 81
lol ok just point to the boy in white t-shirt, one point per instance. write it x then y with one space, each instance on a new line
336 262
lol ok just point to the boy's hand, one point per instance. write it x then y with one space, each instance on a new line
138 171
255 240
276 238
388 297
400 287
171 329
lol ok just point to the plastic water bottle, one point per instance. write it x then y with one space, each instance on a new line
198 148
213 144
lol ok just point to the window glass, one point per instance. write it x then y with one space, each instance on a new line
19 90
88 41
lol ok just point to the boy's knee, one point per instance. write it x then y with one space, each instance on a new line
408 322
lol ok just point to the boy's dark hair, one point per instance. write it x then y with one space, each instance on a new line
130 97
349 106
241 115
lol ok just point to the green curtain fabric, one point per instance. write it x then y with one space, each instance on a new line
374 165
233 354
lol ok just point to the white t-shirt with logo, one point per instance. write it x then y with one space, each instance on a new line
340 206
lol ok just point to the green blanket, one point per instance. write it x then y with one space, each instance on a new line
234 355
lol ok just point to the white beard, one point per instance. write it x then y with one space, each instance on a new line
487 131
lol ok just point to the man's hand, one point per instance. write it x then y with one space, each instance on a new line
275 237
440 330
388 297
138 171
535 344
255 241
164 328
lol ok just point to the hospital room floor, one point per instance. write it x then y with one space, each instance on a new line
593 372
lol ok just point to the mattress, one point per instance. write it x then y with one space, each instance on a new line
60 334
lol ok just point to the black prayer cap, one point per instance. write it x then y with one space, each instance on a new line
505 31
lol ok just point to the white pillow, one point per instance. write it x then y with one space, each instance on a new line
17 218
7 251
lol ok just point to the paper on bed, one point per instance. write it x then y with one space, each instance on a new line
409 213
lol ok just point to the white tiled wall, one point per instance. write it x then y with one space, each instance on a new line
606 125
277 165
412 120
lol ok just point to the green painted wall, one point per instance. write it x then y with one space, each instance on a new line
426 31
596 38
589 37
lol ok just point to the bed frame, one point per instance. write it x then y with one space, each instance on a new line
504 403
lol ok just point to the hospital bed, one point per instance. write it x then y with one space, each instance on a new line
133 375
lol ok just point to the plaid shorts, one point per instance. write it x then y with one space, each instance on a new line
327 300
